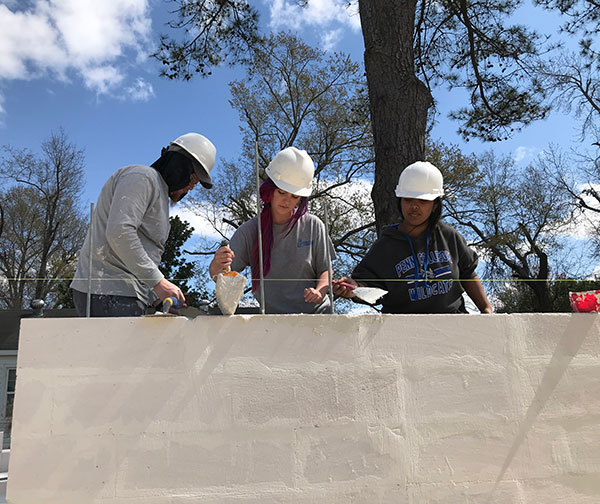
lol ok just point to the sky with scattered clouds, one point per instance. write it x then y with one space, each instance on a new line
329 17
84 65
83 42
102 45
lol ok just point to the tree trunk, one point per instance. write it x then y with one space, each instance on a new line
399 101
541 287
40 283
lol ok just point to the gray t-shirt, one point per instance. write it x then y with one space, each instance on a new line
130 228
297 261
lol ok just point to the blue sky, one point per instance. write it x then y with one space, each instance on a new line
83 65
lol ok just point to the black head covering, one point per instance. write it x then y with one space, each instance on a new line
175 169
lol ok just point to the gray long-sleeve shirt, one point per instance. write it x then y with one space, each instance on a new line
130 228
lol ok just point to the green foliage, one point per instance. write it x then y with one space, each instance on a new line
214 32
294 94
174 266
514 217
63 292
581 17
291 91
471 45
519 297
412 48
474 46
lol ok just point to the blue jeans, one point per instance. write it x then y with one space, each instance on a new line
106 305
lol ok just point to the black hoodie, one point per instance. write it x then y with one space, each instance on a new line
175 169
389 264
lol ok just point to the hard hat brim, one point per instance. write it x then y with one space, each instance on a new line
203 175
296 191
199 170
418 195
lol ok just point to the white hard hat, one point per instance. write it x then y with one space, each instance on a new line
420 180
202 150
292 170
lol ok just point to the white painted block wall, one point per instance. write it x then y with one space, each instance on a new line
309 410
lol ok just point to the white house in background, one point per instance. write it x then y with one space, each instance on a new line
10 321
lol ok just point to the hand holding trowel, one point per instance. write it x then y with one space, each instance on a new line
348 288
230 284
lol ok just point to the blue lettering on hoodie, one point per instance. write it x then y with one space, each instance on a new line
435 286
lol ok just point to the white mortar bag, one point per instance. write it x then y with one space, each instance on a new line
229 290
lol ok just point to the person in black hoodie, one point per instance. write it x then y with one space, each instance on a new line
119 262
424 264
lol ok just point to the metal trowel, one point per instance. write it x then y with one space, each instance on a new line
229 289
369 295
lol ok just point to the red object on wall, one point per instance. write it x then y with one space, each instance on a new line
585 302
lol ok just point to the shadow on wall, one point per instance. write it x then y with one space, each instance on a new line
578 329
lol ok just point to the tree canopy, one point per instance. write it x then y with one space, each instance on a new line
517 219
174 265
294 94
410 48
44 226
511 74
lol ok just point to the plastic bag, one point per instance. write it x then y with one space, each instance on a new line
229 291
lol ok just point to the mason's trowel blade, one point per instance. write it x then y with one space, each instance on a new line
369 295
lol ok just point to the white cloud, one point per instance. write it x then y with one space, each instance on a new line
197 219
140 91
93 31
523 153
595 274
93 39
27 42
330 39
323 14
587 222
359 188
102 78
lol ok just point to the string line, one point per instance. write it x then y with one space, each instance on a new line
550 280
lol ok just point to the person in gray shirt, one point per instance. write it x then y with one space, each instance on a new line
130 226
294 242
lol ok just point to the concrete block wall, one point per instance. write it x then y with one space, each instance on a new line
372 409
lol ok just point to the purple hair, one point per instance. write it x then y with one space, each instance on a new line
266 220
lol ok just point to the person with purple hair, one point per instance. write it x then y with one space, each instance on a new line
295 260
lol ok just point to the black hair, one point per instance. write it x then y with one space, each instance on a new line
175 169
436 213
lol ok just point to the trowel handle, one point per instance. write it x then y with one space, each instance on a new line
225 243
171 302
344 284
